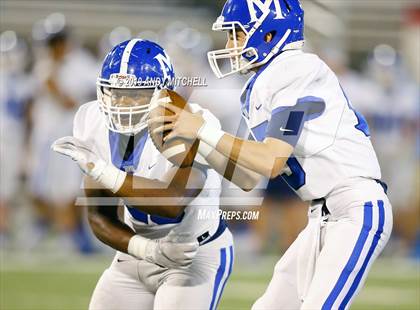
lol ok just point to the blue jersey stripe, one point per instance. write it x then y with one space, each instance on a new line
138 215
259 131
133 158
368 256
228 275
362 124
219 231
219 276
249 86
351 263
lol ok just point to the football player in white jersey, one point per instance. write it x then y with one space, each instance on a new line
166 257
305 130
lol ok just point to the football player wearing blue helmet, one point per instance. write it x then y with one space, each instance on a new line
127 82
253 21
305 130
166 258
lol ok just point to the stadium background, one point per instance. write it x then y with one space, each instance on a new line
373 46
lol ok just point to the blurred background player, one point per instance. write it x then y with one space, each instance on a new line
15 94
64 76
158 264
395 119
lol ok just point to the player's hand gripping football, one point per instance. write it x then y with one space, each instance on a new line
183 124
90 163
176 250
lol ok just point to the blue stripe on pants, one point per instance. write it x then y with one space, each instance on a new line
368 256
351 263
229 272
219 276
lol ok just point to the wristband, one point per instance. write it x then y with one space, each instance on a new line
137 246
108 175
210 134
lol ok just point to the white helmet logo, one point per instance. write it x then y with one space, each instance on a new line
165 64
263 6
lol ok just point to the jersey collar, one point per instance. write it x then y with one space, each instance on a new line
246 92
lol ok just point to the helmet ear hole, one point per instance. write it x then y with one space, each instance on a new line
269 36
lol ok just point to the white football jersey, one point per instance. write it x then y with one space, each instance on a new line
333 146
146 161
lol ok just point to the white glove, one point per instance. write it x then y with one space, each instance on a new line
172 251
90 163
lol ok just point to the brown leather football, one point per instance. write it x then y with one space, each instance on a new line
180 152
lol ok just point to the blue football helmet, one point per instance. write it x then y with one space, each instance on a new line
130 73
256 18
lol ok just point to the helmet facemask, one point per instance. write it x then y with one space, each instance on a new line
232 58
125 109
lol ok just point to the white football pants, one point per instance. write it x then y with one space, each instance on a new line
327 264
130 283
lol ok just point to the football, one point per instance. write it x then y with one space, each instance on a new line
180 152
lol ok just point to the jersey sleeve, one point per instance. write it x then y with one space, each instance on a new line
286 123
291 103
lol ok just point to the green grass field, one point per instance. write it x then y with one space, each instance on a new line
57 284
